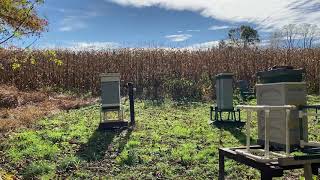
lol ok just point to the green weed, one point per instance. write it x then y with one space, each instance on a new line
40 169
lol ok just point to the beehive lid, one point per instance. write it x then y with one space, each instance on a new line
107 77
281 74
224 76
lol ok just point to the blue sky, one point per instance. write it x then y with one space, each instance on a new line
165 23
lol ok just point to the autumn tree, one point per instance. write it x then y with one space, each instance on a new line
19 18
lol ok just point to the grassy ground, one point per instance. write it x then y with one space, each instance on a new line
170 141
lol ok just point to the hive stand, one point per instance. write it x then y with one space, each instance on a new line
234 117
111 102
269 170
271 166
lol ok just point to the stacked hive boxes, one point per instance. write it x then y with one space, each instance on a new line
272 91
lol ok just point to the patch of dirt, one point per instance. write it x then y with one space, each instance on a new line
23 108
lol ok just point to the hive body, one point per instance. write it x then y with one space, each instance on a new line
279 94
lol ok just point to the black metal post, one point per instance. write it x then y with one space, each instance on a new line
131 101
211 110
221 165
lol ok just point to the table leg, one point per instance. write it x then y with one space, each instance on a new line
307 172
221 165
266 175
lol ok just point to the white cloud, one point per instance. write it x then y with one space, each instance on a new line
214 28
76 19
71 23
264 43
79 46
193 30
93 45
268 14
178 37
215 44
65 28
203 46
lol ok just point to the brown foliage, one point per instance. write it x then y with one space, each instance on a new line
151 69
28 106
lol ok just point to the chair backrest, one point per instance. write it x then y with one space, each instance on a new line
110 89
243 85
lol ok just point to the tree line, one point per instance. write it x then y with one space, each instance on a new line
289 36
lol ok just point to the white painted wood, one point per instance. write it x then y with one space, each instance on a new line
248 124
267 133
287 132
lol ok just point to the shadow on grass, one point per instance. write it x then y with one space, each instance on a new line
97 146
235 131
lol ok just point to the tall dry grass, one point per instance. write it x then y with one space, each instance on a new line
152 69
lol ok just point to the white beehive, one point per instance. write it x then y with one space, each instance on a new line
110 90
278 94
224 91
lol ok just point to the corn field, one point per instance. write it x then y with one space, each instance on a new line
156 73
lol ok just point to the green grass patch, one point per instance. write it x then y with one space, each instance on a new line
170 141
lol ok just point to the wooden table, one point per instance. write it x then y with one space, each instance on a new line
269 170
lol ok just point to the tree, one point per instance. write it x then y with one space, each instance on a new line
290 34
222 44
308 33
19 18
276 39
295 36
243 36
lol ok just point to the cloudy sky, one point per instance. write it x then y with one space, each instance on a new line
165 23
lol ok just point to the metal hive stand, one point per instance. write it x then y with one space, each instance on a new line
233 120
